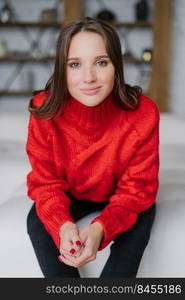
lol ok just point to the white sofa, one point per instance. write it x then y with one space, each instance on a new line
164 255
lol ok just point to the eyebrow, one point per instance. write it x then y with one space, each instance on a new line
99 56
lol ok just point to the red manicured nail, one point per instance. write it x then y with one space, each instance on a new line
72 251
78 243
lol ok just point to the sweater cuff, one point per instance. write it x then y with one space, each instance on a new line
55 232
52 222
114 221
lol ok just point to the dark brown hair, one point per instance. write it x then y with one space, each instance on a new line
125 95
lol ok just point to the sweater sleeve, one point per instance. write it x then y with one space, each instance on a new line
136 189
43 185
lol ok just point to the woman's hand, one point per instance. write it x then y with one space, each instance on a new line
91 237
70 241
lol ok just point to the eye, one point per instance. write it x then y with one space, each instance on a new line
102 63
74 65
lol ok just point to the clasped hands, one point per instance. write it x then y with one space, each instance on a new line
79 247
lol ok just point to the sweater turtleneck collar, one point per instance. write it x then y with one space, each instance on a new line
84 115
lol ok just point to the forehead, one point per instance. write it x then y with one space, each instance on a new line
87 42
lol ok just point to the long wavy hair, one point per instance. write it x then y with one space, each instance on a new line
125 95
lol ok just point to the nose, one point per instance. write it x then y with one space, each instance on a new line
89 75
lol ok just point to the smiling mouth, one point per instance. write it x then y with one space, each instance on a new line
90 89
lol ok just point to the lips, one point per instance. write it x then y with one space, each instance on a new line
90 89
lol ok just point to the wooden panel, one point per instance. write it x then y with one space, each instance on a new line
72 10
160 78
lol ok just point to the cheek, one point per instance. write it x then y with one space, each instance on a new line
108 79
72 78
108 76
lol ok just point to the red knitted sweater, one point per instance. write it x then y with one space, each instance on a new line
96 153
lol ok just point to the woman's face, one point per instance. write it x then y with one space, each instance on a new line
90 72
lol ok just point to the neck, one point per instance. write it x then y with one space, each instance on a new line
91 116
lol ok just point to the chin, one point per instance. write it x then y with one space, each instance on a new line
91 100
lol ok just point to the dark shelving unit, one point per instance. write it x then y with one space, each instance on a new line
15 93
161 30
31 24
17 58
45 59
60 24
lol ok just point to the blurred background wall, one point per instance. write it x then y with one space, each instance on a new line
177 74
26 50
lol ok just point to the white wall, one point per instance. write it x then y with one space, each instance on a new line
177 94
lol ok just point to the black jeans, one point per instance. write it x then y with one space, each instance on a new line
125 252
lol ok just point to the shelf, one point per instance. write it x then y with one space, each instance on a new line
133 24
160 26
26 59
128 59
15 93
60 24
31 24
134 60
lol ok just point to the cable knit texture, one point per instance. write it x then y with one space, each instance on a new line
95 153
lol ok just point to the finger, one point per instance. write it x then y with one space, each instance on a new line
76 247
65 245
79 253
72 245
88 254
71 251
64 260
70 261
75 255
81 260
77 242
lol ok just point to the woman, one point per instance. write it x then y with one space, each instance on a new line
93 144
